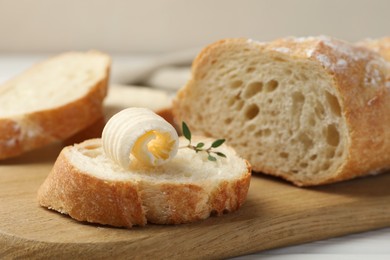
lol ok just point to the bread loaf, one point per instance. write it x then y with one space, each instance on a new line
311 110
88 186
52 101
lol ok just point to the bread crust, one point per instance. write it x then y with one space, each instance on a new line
167 114
362 85
85 198
382 46
127 203
29 131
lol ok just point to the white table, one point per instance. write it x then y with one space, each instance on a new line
367 245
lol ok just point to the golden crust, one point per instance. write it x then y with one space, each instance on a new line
33 130
85 198
125 203
361 79
222 201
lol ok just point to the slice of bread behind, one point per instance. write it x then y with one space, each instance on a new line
311 110
52 101
88 186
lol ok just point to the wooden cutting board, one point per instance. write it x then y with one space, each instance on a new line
276 214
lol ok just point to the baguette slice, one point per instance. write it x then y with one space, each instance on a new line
85 184
311 110
52 101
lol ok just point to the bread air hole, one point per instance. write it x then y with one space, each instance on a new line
311 120
263 133
332 135
251 111
239 104
333 103
259 154
91 150
228 120
325 166
235 101
319 111
199 118
271 86
306 141
230 102
284 155
298 99
279 59
233 76
250 70
274 113
303 165
302 77
236 84
251 128
207 133
330 153
288 71
252 89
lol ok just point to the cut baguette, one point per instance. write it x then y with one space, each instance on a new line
311 110
52 101
85 184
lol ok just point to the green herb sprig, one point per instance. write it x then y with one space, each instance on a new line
199 147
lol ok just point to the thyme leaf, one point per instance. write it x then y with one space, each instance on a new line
186 131
199 147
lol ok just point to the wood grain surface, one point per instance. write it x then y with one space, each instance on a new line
276 214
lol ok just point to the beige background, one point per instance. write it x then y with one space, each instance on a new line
147 26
